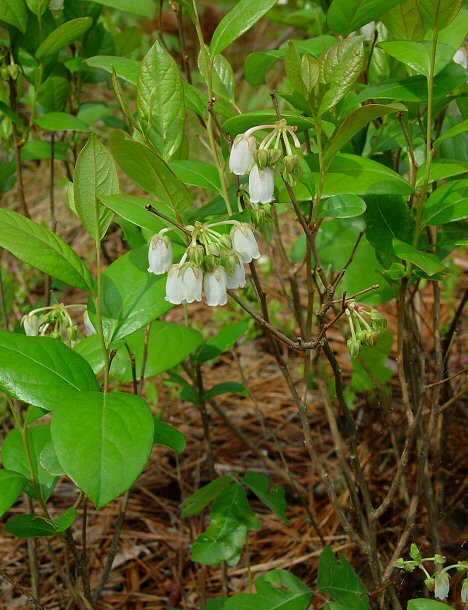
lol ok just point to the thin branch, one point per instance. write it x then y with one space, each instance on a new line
24 592
168 219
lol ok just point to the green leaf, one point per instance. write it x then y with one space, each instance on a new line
231 520
242 122
65 34
387 218
133 209
127 69
144 8
429 263
90 348
354 175
150 172
354 123
168 436
95 175
14 457
222 74
66 519
427 604
404 21
168 345
241 18
447 204
414 88
36 150
225 339
38 246
341 206
228 387
48 460
276 590
15 13
103 442
11 485
439 13
132 297
454 131
160 100
417 55
41 370
345 16
197 173
340 66
292 62
338 579
30 526
273 498
442 169
61 121
197 501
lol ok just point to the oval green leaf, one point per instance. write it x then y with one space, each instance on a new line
11 485
65 34
341 206
61 121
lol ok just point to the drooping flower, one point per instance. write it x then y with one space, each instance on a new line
174 286
241 158
236 279
159 254
192 282
261 184
31 325
244 242
216 287
442 585
464 591
89 328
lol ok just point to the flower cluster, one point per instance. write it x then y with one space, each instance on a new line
213 262
439 581
55 321
261 160
363 332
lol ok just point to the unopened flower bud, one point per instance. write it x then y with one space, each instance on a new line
291 163
196 254
371 338
262 158
399 563
13 71
275 155
354 347
430 583
31 325
439 559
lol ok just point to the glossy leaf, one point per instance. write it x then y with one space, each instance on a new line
447 204
14 457
454 131
439 13
168 436
160 100
292 63
242 122
197 173
144 8
132 297
345 16
388 218
61 37
61 121
338 579
36 245
150 172
227 387
273 498
42 371
127 69
231 520
442 169
341 206
204 496
276 590
405 21
222 76
217 345
14 12
103 442
66 519
417 55
30 526
354 175
429 263
354 122
241 18
11 485
427 604
168 345
95 175
49 462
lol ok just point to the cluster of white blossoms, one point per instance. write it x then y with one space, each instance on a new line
55 321
212 263
260 161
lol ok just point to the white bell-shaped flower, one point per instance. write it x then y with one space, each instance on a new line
244 242
175 286
192 283
442 585
160 254
261 184
241 158
89 328
31 325
236 279
216 287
